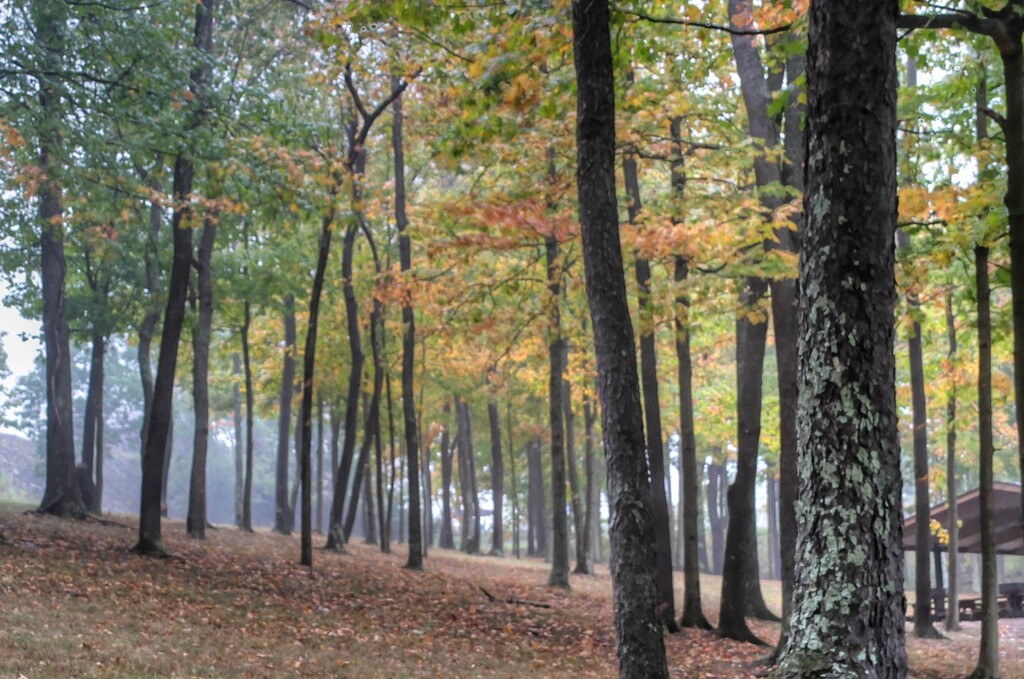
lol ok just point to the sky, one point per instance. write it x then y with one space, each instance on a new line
21 353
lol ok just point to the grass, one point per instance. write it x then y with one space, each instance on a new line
75 602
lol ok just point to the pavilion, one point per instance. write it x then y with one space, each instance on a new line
1006 512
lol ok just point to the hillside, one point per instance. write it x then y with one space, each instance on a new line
74 601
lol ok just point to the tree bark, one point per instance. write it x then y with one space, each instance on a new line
195 521
640 648
850 519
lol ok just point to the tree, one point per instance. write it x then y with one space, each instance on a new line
641 650
850 518
1006 28
177 288
61 495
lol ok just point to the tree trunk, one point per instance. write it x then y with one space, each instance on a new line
559 575
988 655
739 565
412 452
537 536
195 522
718 514
583 565
515 482
147 328
61 496
249 407
335 533
236 420
652 415
157 434
371 424
447 539
591 514
319 464
923 628
467 477
641 650
952 621
282 509
382 517
849 517
689 482
771 487
92 445
497 478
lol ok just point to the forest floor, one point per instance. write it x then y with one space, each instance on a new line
76 602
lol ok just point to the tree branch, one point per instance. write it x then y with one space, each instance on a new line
703 24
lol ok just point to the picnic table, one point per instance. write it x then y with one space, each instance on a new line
1010 601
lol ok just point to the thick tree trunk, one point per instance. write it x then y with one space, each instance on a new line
988 654
559 575
61 496
850 517
282 508
641 649
412 452
447 539
497 479
195 521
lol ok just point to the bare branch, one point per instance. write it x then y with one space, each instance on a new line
703 24
994 115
